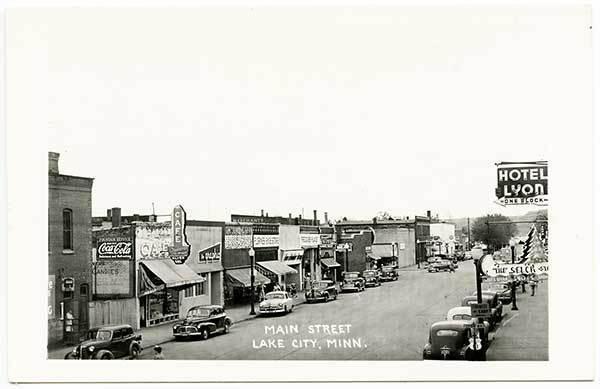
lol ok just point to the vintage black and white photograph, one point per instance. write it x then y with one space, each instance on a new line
348 184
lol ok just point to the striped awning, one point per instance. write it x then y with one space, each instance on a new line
276 267
241 277
329 262
171 274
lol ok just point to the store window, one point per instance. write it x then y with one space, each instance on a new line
200 289
67 229
189 291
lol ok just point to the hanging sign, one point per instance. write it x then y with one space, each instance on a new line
522 183
179 250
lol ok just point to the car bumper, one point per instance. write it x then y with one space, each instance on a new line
266 311
350 289
374 283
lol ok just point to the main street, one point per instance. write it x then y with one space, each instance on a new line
389 322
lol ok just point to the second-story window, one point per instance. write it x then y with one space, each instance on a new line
67 229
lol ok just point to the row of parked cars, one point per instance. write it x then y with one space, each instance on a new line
201 322
460 333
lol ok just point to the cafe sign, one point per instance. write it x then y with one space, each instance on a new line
522 183
179 250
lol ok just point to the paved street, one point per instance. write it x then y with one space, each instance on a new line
389 322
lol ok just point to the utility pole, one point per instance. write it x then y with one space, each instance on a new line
469 233
417 246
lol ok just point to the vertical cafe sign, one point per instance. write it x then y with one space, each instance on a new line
522 183
179 250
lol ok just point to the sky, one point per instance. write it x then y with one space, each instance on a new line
352 111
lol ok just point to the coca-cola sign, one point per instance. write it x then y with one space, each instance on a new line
115 248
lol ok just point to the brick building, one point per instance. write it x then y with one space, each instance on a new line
69 253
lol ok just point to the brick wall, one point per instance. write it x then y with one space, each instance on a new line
74 193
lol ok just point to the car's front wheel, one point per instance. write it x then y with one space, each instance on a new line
226 327
135 351
204 334
70 355
104 354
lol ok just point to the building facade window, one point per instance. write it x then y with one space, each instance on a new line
67 229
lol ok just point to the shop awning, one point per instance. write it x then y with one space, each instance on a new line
241 277
329 262
171 274
276 267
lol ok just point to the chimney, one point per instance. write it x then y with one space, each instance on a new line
267 214
116 217
429 215
326 218
109 214
289 218
262 212
315 216
53 162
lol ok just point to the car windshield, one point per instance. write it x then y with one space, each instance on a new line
446 333
199 312
369 274
103 335
351 275
318 284
275 296
388 269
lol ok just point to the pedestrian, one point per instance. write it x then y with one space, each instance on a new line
533 283
261 293
158 353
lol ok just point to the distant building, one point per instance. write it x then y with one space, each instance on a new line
69 253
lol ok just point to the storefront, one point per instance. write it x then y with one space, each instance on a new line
277 272
383 254
167 286
330 269
164 286
291 254
310 241
238 285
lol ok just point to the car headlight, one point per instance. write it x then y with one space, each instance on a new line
91 348
280 305
75 350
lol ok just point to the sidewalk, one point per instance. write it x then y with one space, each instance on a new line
523 334
152 336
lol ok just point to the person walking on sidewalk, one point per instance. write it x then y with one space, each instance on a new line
533 282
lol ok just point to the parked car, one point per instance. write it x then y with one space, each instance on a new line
503 289
276 302
202 321
440 265
371 278
321 291
448 340
108 342
464 313
353 282
388 273
495 305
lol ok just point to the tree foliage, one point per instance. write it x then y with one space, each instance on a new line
496 235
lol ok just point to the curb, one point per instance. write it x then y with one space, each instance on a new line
237 321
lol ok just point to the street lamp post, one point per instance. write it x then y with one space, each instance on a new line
252 266
513 281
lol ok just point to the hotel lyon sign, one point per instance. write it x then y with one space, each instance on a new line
521 183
